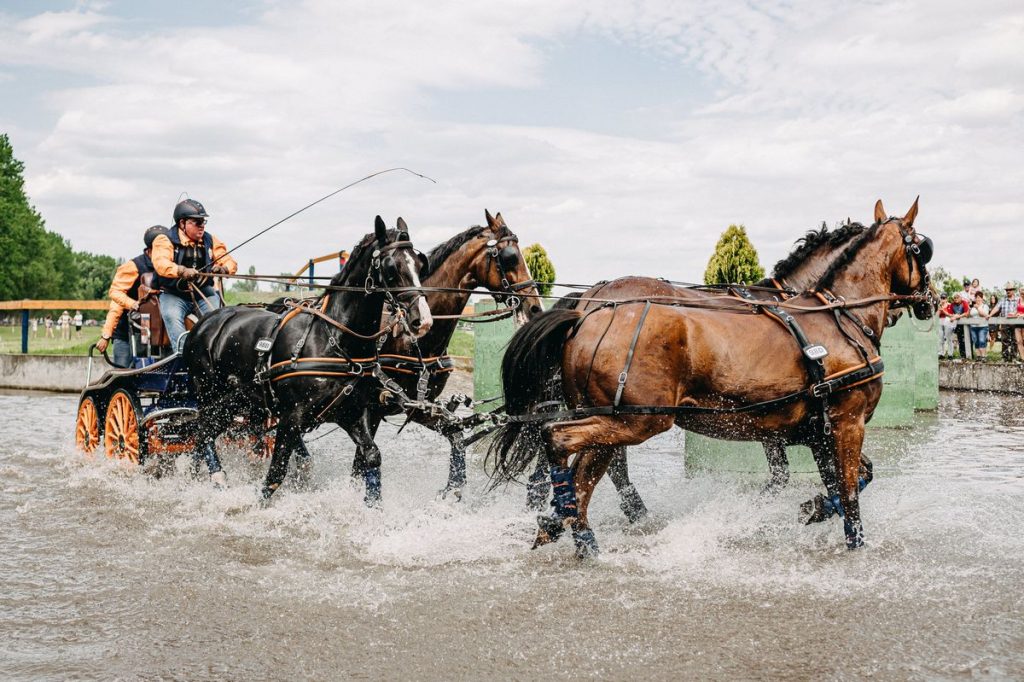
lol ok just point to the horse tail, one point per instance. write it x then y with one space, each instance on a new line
533 356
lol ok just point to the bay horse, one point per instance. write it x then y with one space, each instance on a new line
633 368
311 364
485 256
797 272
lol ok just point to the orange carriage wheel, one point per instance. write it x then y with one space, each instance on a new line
87 426
121 432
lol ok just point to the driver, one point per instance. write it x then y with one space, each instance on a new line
124 298
183 258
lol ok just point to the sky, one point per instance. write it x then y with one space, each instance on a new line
624 136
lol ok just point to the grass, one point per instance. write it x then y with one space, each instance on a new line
10 341
462 343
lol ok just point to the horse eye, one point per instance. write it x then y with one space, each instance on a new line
508 257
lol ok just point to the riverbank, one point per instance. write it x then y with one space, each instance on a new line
998 377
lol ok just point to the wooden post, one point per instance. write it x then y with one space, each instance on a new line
312 266
24 332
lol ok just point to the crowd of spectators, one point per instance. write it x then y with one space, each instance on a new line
973 307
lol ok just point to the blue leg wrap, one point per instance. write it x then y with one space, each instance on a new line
854 534
372 479
586 543
564 497
208 454
832 506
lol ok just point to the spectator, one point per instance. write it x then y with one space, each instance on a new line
342 259
49 326
965 295
65 326
1007 308
78 323
975 287
979 325
959 310
946 327
35 327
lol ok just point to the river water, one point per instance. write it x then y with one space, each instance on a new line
108 574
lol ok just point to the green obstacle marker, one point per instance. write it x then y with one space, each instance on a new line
911 379
746 457
896 406
926 363
489 341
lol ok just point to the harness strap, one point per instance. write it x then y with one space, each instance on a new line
624 374
844 380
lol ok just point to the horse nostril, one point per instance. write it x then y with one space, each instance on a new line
535 309
416 324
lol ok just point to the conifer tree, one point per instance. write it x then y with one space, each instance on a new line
734 260
541 268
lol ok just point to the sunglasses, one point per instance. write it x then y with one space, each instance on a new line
198 221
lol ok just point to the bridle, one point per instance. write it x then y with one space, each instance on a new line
505 259
384 269
918 250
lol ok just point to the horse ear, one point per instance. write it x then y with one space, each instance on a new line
489 217
879 212
402 227
499 221
908 220
381 230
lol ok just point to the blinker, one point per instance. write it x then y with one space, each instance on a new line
390 269
926 249
508 257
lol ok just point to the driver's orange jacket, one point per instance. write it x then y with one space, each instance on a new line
163 255
120 300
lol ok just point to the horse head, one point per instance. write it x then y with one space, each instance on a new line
394 270
910 276
501 269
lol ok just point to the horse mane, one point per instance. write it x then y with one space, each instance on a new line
365 245
864 235
809 244
440 253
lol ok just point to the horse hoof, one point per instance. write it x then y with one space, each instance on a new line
586 544
632 505
814 511
455 492
549 529
219 479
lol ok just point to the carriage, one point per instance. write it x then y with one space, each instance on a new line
141 413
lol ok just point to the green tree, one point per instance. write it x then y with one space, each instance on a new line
36 263
95 271
246 285
734 260
541 268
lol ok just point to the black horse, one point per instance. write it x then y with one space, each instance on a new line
309 364
485 256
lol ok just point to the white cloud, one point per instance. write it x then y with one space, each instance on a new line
816 111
